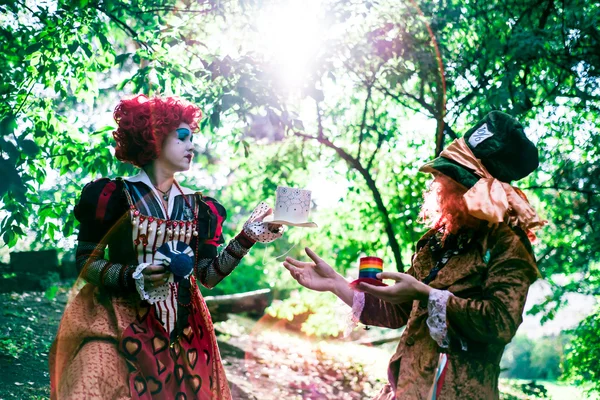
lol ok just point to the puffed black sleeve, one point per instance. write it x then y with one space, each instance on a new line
100 207
213 265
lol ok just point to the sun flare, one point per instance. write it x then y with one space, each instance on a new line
290 34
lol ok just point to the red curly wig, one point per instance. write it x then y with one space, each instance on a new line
143 124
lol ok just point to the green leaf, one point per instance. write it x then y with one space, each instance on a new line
68 228
33 48
8 125
30 148
73 46
103 40
87 48
51 292
107 128
7 237
215 119
297 124
51 230
228 100
120 59
17 230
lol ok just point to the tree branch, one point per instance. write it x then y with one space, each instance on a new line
33 82
364 119
380 139
420 101
353 162
171 9
126 28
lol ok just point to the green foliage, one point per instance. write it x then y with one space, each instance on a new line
534 359
583 353
320 313
14 345
528 390
513 389
370 108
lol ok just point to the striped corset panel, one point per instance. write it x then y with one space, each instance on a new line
150 230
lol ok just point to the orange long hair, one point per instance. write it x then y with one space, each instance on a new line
444 206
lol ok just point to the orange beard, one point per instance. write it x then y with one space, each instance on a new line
444 206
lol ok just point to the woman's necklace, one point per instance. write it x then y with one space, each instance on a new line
187 202
165 195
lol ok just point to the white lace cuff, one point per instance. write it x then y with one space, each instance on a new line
436 321
152 295
358 304
259 231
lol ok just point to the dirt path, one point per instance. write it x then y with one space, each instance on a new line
261 362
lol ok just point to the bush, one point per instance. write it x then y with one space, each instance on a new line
582 364
320 313
541 358
522 391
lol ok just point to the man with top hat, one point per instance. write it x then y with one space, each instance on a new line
463 297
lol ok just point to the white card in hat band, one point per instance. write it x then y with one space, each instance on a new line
480 135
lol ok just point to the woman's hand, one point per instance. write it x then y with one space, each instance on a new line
155 276
274 228
406 288
260 230
316 275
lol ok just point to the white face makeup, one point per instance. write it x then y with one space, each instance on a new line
177 149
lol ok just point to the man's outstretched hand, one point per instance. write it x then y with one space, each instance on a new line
316 275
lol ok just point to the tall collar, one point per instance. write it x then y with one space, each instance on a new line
143 177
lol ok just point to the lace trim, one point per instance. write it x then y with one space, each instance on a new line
358 304
436 321
259 231
152 296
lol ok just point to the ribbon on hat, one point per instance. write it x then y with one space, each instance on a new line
490 199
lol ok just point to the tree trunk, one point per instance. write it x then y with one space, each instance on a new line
354 163
253 303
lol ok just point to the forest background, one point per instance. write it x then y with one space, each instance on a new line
346 98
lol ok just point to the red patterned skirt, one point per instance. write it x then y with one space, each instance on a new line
116 348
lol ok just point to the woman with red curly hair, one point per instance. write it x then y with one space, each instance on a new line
462 299
140 328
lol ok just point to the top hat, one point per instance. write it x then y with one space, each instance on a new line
499 141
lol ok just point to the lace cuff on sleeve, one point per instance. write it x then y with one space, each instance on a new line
436 306
358 304
154 295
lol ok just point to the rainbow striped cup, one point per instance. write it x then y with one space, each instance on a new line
368 269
